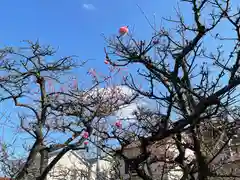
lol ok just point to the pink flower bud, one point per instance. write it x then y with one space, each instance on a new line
75 84
118 124
123 30
156 41
93 72
106 61
50 87
85 135
85 143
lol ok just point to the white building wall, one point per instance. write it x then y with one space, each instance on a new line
104 166
66 166
69 163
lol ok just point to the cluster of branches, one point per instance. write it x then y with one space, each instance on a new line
194 85
27 73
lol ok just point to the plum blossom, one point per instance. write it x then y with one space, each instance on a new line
50 87
92 72
85 135
123 30
106 61
155 41
75 84
118 124
85 143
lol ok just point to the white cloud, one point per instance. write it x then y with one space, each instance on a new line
89 6
111 98
126 113
110 94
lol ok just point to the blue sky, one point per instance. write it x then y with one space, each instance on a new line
75 29
75 26
66 24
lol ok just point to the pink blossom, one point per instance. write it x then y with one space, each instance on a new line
75 84
156 41
118 124
118 53
50 83
112 68
106 61
123 30
93 72
85 135
50 86
85 143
